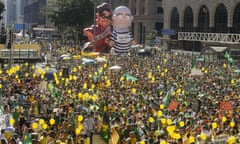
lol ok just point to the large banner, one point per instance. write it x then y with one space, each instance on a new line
4 121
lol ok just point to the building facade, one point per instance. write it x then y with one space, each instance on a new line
208 16
32 11
14 12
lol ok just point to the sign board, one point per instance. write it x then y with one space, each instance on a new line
18 27
228 106
4 120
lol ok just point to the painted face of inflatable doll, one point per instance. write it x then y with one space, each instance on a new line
122 17
104 15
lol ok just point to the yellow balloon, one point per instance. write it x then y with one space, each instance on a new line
181 124
203 136
105 65
162 74
191 139
80 126
41 121
169 121
93 86
16 77
70 77
79 95
85 86
224 65
11 121
74 69
80 118
232 140
151 119
44 126
163 121
77 131
232 124
74 78
52 121
163 142
224 119
134 90
177 136
34 126
162 106
171 129
33 66
214 125
122 78
60 73
159 114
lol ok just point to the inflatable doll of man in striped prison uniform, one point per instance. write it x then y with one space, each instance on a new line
121 38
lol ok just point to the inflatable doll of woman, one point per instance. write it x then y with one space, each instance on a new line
100 42
121 38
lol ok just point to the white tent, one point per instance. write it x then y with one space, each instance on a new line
19 36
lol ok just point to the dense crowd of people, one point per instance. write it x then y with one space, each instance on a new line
133 99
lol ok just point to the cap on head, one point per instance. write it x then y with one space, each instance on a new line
103 7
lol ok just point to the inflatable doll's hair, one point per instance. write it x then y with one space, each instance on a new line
103 7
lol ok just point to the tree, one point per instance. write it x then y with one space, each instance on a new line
2 9
70 14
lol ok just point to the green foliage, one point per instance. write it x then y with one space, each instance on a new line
73 14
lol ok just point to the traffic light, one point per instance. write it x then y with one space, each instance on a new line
9 42
9 45
2 39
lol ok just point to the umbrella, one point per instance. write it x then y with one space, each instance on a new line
87 61
237 71
101 59
64 56
116 67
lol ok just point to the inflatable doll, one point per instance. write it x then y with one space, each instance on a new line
100 43
121 38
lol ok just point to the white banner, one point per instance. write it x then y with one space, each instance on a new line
4 121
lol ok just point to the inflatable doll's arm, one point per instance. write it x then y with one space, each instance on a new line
88 32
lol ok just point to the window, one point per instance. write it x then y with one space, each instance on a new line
159 10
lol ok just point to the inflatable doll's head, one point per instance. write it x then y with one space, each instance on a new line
104 14
122 18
